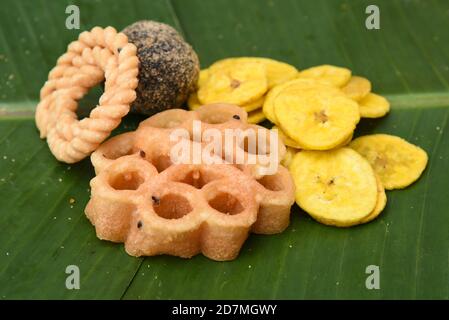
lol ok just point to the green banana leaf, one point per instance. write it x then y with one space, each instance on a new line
407 59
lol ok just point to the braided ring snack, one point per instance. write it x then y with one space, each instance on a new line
154 206
101 54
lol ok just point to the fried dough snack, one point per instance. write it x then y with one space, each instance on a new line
141 198
96 55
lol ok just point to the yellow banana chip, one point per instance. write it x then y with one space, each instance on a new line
317 120
277 72
268 105
346 141
380 204
288 157
335 76
256 116
286 139
293 144
204 75
357 88
373 106
239 83
256 104
193 103
298 85
397 162
336 187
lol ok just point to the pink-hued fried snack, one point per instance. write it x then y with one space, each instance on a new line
112 149
113 197
140 197
101 54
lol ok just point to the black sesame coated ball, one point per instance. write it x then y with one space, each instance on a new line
168 68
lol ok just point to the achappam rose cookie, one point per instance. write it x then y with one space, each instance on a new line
140 197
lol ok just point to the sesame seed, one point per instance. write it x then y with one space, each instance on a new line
156 200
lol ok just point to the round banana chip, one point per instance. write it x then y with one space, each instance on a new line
286 139
256 116
317 120
397 162
373 106
293 144
346 141
202 78
277 72
336 187
268 105
357 88
256 104
380 204
239 83
335 76
288 157
298 85
193 103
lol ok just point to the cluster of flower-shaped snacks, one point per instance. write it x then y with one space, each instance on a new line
140 197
